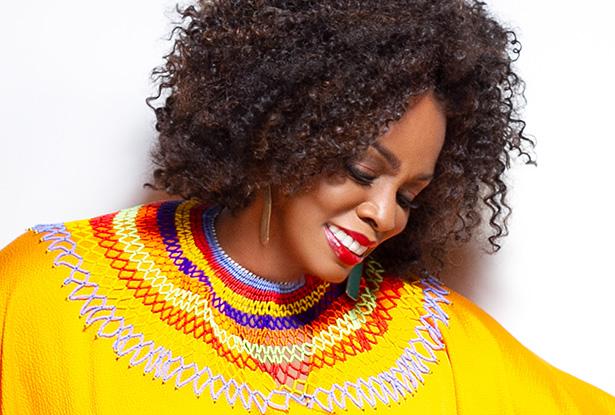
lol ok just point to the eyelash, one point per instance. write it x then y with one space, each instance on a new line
366 180
359 176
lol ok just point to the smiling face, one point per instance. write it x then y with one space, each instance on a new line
340 220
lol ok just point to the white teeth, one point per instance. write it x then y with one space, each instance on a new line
348 241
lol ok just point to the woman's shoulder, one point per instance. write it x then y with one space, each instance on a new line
53 273
460 321
26 255
45 247
471 335
493 369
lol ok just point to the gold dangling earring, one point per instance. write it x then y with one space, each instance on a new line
266 217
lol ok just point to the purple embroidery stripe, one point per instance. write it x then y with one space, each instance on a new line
166 224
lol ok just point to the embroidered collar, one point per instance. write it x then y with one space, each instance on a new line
266 346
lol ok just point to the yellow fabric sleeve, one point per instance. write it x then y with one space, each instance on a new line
495 374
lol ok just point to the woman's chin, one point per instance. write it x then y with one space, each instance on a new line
336 274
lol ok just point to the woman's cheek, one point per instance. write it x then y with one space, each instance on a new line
401 222
341 195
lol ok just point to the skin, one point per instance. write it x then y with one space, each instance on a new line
372 198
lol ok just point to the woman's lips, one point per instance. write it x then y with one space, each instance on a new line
344 254
359 237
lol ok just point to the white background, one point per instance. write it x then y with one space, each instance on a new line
75 135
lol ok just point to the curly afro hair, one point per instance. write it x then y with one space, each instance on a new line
282 92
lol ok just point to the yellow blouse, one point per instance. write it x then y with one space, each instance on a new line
138 311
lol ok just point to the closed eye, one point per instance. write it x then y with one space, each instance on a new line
406 202
359 176
365 179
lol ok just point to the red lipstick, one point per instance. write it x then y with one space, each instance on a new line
341 252
359 237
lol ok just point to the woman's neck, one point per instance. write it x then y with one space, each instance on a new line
239 236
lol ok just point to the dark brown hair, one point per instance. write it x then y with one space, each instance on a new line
284 91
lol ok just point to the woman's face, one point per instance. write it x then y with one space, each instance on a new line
338 222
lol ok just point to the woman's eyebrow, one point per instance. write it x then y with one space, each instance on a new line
388 156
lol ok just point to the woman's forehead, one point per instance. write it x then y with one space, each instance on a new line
416 138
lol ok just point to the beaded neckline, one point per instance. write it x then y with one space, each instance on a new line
224 261
149 280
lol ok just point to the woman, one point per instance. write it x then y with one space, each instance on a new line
327 154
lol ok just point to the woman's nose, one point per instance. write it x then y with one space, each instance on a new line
379 211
